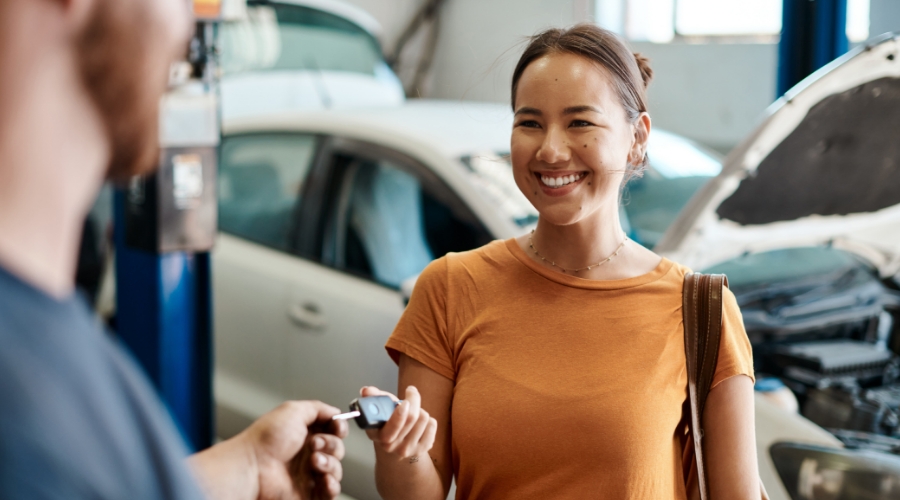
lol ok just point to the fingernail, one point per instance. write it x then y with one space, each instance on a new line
318 443
320 460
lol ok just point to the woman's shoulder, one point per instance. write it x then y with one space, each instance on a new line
478 262
488 255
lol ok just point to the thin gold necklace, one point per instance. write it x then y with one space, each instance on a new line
573 271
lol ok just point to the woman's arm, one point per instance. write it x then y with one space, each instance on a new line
426 475
730 440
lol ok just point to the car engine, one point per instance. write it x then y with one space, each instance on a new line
833 338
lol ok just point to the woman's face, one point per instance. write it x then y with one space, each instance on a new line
571 138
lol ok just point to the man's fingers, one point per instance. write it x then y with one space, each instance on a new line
297 414
338 428
328 488
326 443
310 412
327 464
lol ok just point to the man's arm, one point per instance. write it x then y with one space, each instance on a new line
277 457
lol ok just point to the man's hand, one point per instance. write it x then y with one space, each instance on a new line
294 451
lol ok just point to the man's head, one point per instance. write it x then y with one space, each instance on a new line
124 49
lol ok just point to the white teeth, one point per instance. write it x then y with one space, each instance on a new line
560 181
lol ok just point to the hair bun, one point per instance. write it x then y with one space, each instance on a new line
644 66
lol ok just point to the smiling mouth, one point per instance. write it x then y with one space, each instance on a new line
560 181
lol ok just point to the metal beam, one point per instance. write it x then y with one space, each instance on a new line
164 316
813 33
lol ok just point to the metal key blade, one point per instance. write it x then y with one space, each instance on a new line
345 416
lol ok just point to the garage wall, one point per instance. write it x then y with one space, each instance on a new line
713 93
884 16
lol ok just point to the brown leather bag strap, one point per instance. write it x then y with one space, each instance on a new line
702 313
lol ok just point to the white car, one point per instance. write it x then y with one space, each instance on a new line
326 219
296 55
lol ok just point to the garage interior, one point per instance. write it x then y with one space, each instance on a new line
318 155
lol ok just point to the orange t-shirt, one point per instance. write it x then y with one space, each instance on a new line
563 387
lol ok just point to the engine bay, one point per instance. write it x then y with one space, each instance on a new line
825 324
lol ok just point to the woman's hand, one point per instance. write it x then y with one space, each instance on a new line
410 432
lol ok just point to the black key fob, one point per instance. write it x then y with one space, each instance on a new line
374 411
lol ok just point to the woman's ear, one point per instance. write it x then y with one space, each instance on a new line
641 127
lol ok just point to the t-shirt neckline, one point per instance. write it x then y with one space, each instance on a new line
573 281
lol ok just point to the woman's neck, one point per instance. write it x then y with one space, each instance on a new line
589 242
579 245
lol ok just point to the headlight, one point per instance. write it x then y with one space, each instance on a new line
818 473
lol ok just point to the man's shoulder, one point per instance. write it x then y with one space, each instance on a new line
79 420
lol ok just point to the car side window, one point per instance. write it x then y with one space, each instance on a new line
388 220
260 182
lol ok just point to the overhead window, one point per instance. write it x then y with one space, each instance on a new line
662 21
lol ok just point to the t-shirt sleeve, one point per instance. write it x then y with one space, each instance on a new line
422 332
735 354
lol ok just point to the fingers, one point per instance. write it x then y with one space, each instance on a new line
429 435
410 443
325 460
328 488
283 431
369 391
410 430
327 443
403 418
309 412
327 465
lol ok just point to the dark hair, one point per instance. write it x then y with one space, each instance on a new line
630 72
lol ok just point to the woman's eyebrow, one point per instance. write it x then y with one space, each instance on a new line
580 109
528 111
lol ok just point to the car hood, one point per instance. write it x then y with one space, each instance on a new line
822 168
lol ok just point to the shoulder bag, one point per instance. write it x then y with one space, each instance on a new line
702 316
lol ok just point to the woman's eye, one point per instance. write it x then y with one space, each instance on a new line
529 124
580 123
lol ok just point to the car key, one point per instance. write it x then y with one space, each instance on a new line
370 413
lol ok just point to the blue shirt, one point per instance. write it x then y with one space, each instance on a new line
78 419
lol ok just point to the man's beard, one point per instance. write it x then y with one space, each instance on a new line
125 74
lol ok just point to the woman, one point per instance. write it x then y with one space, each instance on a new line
552 365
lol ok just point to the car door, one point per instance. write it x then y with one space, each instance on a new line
384 218
261 178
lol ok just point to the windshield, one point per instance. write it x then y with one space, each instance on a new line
676 171
291 37
492 176
787 266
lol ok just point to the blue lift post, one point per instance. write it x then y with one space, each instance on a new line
813 33
164 315
164 226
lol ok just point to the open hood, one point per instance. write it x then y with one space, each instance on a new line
822 168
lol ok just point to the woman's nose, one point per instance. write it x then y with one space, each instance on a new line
555 147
